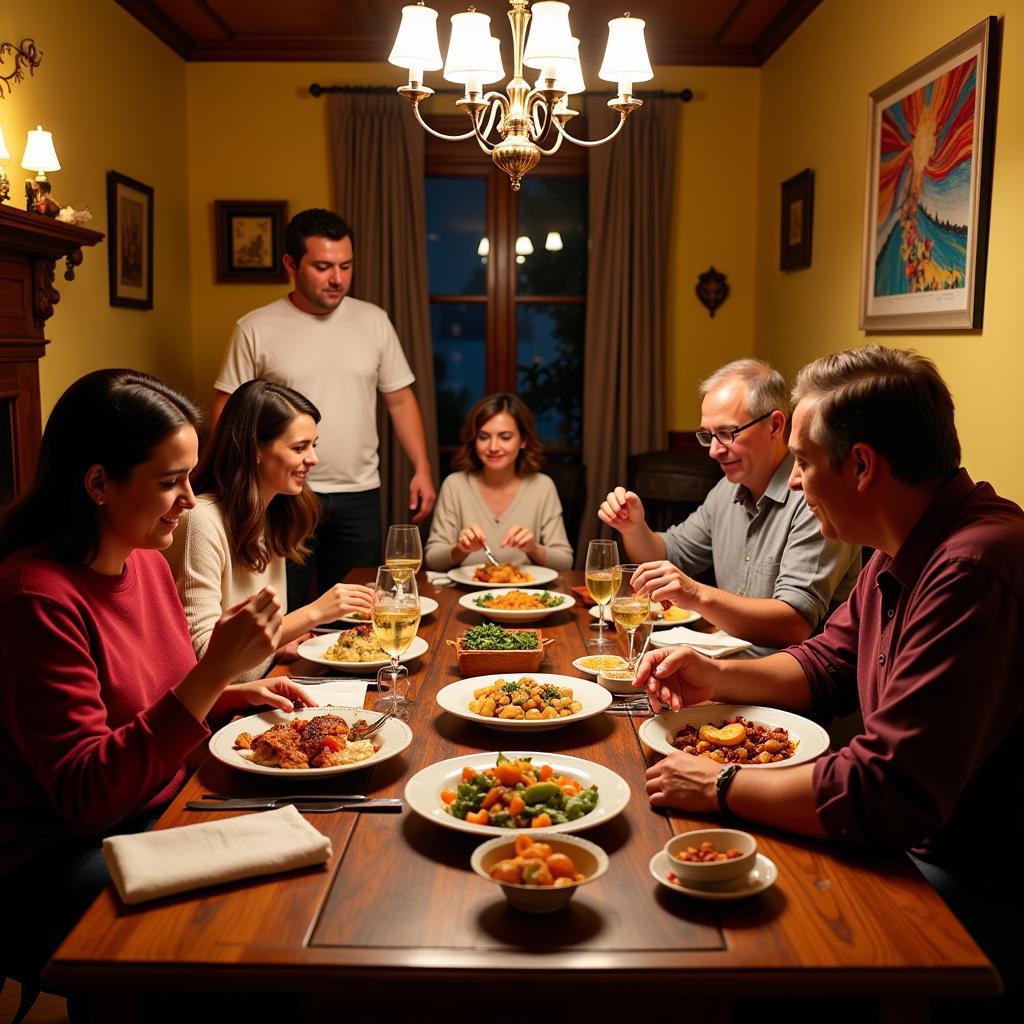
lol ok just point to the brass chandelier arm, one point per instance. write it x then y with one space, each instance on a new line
590 144
440 135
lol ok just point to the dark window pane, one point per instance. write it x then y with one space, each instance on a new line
457 330
550 369
456 223
552 214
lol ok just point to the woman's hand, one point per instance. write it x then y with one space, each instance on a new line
523 539
245 635
340 600
470 539
676 677
278 692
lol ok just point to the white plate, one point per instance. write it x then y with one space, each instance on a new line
515 616
394 737
579 665
761 877
423 790
313 650
455 698
689 616
811 740
541 574
427 607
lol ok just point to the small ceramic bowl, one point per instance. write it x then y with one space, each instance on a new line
589 859
618 680
710 874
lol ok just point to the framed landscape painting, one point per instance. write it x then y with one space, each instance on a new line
930 141
130 241
250 240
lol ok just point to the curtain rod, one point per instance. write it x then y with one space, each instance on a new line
685 95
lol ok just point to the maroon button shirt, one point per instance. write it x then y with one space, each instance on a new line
931 644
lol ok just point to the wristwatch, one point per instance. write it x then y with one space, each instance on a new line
722 784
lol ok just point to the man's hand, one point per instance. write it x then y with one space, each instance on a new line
623 510
676 677
664 582
421 495
683 781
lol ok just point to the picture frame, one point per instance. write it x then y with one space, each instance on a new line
250 240
797 225
130 241
926 224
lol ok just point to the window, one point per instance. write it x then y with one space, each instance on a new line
507 281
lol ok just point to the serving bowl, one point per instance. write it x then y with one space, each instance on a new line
711 874
589 858
480 663
517 616
619 680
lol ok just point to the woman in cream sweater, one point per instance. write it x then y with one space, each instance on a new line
496 496
253 510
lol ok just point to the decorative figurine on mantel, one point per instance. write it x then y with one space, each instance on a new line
712 289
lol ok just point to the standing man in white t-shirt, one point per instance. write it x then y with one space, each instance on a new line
339 352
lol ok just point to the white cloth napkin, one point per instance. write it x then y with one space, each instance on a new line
343 693
715 645
440 579
149 865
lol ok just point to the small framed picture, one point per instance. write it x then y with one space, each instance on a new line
250 240
797 221
130 241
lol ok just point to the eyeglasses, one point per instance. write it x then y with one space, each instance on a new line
726 437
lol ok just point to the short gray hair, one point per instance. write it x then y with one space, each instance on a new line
892 399
766 387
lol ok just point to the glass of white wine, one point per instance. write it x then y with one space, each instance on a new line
396 618
403 552
603 580
630 609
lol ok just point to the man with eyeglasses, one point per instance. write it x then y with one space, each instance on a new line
776 576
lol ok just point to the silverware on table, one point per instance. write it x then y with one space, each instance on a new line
306 805
331 797
489 555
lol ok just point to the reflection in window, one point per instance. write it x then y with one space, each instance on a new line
550 369
552 227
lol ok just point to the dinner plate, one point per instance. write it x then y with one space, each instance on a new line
580 664
427 607
455 698
811 740
688 616
313 650
515 616
423 790
394 736
541 574
762 876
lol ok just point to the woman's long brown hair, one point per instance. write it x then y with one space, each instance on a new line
258 413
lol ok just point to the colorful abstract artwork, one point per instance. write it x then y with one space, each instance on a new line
927 209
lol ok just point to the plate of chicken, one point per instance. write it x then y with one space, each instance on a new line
313 741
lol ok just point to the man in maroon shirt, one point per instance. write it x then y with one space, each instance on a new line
930 645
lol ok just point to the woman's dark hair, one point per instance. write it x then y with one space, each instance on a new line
111 418
255 416
530 458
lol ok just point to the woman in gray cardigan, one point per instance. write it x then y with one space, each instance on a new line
497 496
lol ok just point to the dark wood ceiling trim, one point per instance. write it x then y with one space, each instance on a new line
786 22
730 20
702 54
219 23
290 48
150 16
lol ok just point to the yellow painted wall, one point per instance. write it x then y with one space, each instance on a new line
814 94
714 218
114 98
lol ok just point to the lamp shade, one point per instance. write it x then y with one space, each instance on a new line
625 59
474 64
569 78
416 46
549 43
4 154
40 156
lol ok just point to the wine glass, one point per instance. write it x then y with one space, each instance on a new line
630 609
603 580
403 552
396 617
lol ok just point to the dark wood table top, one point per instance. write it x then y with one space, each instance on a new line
399 899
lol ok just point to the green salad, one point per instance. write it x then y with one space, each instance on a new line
491 637
518 794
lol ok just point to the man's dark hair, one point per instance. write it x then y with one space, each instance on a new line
891 399
315 223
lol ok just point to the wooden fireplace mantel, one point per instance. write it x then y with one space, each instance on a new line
30 245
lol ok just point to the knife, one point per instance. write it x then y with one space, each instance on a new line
337 798
306 806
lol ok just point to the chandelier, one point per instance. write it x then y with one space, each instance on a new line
516 129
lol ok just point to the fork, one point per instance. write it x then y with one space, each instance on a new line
489 555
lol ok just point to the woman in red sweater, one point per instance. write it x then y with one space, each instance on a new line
102 699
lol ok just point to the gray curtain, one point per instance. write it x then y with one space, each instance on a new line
631 190
378 186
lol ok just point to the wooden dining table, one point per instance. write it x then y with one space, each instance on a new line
398 903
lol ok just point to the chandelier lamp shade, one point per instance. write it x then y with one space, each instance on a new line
516 128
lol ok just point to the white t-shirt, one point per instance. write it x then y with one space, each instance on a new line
339 362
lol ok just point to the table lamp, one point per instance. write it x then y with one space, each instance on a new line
39 156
